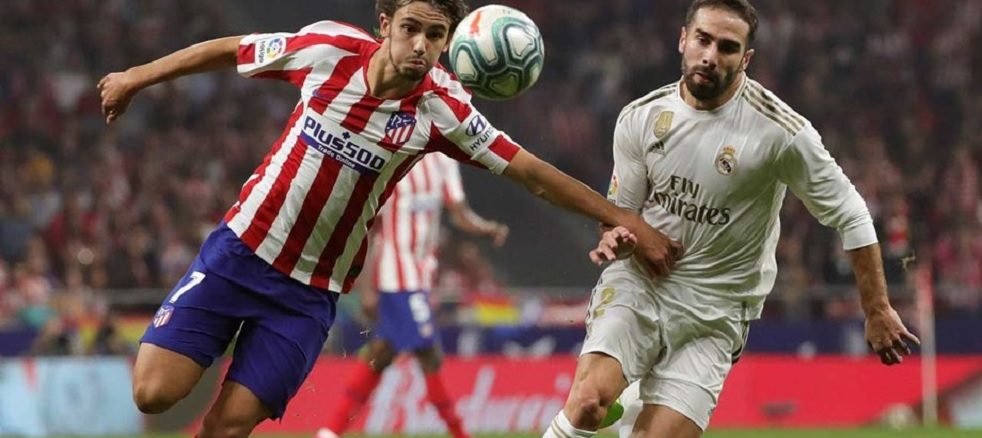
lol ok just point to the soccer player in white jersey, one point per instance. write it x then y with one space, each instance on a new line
270 273
402 265
707 160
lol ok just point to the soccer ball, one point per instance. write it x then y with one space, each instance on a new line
497 52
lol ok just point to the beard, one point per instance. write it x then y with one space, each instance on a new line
715 86
408 72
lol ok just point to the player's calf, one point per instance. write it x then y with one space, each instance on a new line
235 414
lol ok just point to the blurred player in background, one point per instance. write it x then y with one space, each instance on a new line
271 272
707 160
403 266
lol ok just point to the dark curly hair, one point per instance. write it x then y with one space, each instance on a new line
742 8
455 10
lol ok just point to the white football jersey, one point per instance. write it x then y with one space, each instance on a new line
715 181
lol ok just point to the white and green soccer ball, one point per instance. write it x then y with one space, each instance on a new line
497 52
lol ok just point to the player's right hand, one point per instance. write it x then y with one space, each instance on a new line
116 90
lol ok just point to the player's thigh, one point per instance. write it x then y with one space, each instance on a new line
274 354
193 326
236 412
690 378
162 374
656 421
623 323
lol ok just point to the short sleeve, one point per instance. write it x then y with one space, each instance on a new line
290 56
468 135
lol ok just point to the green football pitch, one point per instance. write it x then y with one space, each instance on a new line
749 433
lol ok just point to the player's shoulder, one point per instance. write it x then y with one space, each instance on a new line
771 110
441 85
651 101
337 28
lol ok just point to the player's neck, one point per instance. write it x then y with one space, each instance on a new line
711 104
383 81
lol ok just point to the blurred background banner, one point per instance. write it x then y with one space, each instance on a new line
97 223
67 396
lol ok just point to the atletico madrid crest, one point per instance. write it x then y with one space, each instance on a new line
399 128
163 316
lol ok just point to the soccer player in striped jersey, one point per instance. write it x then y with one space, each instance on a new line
402 266
369 109
707 160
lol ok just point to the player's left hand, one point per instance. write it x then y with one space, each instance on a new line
887 335
616 244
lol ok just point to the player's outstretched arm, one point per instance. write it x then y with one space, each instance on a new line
117 89
470 222
655 250
885 332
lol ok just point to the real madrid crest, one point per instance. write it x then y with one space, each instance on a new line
726 161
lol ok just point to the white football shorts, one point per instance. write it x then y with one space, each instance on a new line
680 359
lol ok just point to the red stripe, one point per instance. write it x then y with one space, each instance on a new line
460 109
261 170
359 261
336 83
335 246
504 148
270 207
360 112
246 54
310 211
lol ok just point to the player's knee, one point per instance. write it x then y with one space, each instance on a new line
378 355
587 410
429 359
588 404
154 396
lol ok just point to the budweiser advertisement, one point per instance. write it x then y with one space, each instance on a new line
497 394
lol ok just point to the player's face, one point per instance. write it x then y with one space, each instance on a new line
418 34
714 52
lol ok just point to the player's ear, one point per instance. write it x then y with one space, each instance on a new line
384 25
746 59
682 40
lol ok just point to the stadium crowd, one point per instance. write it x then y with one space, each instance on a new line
892 86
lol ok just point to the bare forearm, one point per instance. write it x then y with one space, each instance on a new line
547 182
206 56
867 265
470 222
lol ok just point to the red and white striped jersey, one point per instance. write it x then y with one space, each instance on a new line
308 207
408 232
